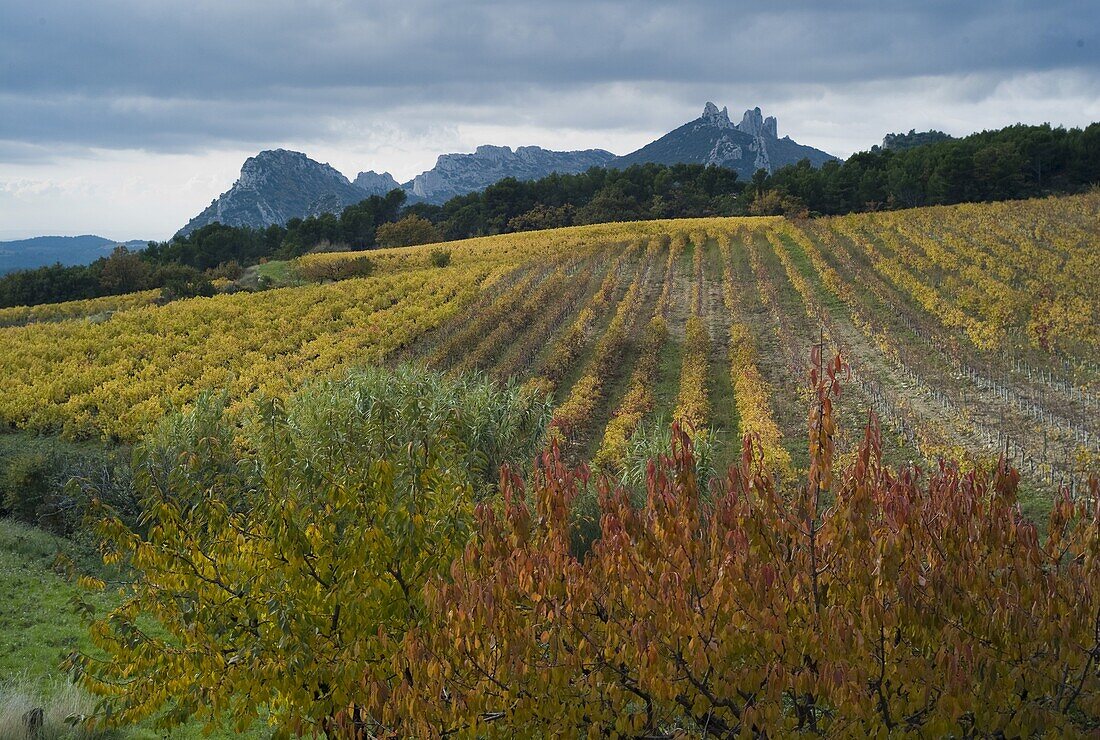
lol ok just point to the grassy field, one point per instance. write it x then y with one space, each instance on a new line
934 311
39 627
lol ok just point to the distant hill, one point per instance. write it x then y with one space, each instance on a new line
23 254
278 185
712 138
901 142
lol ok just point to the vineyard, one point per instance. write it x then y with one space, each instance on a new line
970 331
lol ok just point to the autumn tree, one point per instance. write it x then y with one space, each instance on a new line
124 272
409 231
279 564
857 603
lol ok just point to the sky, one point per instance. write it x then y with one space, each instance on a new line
127 117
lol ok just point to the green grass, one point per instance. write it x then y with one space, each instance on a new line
39 627
668 375
278 272
725 421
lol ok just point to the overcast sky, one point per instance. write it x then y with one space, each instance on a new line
127 117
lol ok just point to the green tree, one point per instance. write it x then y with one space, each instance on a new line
407 232
124 272
283 560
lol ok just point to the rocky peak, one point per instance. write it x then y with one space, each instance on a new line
374 183
712 139
275 186
273 162
714 117
754 124
456 174
490 151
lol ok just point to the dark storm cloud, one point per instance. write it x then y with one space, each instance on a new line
169 76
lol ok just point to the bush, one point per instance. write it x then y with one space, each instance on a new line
327 269
439 257
26 485
181 281
776 203
230 270
407 232
50 483
325 246
854 603
316 525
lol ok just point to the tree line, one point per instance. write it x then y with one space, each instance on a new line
185 265
1007 164
918 169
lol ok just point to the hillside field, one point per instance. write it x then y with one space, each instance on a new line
969 330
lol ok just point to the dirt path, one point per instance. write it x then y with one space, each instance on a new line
723 403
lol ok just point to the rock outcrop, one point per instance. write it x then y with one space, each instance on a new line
753 123
278 185
373 183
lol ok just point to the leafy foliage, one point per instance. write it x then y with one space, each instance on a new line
857 602
47 482
1010 163
409 231
439 258
284 561
914 138
336 269
913 170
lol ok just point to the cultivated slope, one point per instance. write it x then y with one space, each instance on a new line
969 331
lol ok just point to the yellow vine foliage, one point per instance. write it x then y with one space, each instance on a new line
91 308
750 389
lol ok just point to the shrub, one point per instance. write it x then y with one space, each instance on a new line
230 270
325 269
439 257
543 216
285 560
326 561
325 246
48 482
181 281
776 203
856 603
407 232
26 484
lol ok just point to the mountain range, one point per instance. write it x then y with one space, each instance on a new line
277 185
21 254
